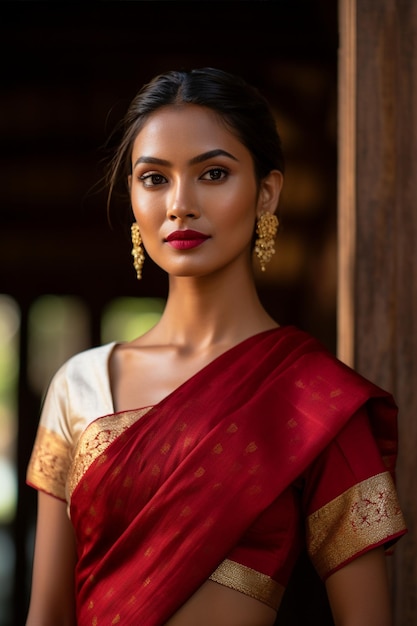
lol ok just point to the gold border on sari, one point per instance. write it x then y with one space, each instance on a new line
363 516
249 582
49 462
95 440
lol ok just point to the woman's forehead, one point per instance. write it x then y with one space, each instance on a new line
186 125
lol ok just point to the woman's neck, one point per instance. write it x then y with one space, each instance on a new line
203 312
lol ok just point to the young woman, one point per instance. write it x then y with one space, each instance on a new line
181 475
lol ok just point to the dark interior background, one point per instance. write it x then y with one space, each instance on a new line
68 72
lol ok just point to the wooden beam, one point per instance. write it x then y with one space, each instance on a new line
378 233
346 180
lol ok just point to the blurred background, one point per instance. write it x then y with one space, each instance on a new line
68 72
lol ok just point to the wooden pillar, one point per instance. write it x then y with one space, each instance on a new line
377 300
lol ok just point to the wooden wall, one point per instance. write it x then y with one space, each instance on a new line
378 232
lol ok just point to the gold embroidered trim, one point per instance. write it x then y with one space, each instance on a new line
248 581
363 516
49 462
96 439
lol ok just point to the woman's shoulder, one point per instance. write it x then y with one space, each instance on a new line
81 386
87 360
82 371
318 367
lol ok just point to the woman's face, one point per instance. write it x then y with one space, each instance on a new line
193 191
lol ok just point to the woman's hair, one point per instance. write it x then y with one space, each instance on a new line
243 110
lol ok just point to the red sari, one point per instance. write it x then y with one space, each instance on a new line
164 498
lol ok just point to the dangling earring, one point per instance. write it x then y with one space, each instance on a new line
137 250
266 228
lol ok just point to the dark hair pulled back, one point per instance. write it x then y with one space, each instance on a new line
241 107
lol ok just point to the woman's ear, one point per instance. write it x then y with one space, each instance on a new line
129 182
269 192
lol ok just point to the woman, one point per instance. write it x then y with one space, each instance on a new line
198 460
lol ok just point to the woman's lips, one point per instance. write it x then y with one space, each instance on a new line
186 239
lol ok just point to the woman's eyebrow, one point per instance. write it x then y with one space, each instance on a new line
211 154
200 158
150 159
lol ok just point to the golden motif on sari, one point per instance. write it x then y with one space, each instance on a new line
365 515
249 582
96 439
49 463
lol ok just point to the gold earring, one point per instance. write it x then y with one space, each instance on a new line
137 250
266 228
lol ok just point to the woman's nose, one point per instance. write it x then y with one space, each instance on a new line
182 203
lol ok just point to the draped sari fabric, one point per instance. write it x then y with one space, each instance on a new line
160 496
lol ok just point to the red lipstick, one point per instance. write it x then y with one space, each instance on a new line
186 239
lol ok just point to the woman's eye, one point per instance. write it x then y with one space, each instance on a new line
216 173
152 180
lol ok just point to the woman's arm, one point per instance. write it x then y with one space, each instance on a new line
52 598
359 592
